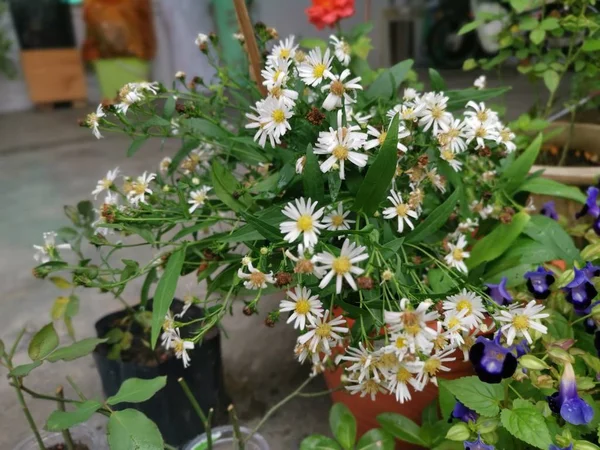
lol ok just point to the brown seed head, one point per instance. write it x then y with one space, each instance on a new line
283 279
423 160
365 283
315 116
485 152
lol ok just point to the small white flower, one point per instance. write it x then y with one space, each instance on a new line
128 95
506 138
488 175
343 266
401 377
483 211
361 359
255 279
164 165
435 364
324 333
305 221
48 251
448 155
368 386
181 347
107 182
410 94
387 275
93 121
275 73
482 113
341 49
401 210
168 330
285 50
480 82
201 39
456 257
305 307
271 121
139 188
437 180
469 303
520 320
306 262
433 112
456 326
188 300
478 131
413 324
239 37
198 198
180 74
358 117
300 162
316 67
336 220
338 90
379 138
453 138
246 260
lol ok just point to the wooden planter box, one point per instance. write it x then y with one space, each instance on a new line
54 75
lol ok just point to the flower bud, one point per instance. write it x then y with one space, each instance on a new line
365 283
249 310
490 438
264 251
487 425
283 279
559 355
585 445
459 432
532 362
195 181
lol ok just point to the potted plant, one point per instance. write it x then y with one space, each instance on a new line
120 42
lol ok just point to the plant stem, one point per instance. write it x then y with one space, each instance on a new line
565 150
239 440
193 401
208 429
60 393
28 415
319 393
76 389
13 349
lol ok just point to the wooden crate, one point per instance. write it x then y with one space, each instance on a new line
54 75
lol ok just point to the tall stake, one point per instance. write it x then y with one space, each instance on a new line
252 47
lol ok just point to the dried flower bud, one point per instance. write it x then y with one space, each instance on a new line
452 216
283 279
507 215
269 321
180 75
273 33
315 116
249 309
423 161
485 152
417 260
236 195
180 108
202 267
487 195
210 255
365 283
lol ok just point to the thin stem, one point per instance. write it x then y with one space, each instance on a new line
60 393
515 391
240 443
76 389
319 393
193 401
208 428
28 416
13 349
565 150
43 396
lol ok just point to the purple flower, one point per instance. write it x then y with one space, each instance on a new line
539 282
478 445
580 292
461 412
591 208
549 210
498 292
566 402
556 447
492 362
597 342
591 271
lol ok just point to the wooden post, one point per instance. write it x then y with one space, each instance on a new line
250 41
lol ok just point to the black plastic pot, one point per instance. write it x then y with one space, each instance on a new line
170 408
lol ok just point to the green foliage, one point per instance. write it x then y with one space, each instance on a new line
481 397
76 350
343 425
313 179
43 343
137 390
62 420
401 428
130 429
526 422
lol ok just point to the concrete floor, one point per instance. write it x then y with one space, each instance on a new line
46 162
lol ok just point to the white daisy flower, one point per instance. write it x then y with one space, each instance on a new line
448 155
164 165
305 262
285 49
507 139
482 113
413 323
341 49
456 257
107 182
305 307
437 180
181 347
401 210
338 90
434 364
368 386
316 67
456 327
305 221
469 302
399 344
361 359
188 300
358 117
519 321
407 111
276 73
304 353
271 119
410 94
454 137
93 121
479 208
169 332
255 279
128 95
478 131
480 82
201 39
198 198
139 188
324 332
433 112
343 266
401 377
379 138
300 163
289 96
48 251
336 220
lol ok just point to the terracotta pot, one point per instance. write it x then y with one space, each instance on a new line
366 411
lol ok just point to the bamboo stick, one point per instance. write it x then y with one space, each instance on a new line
250 40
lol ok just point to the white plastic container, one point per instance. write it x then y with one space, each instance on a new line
81 434
223 439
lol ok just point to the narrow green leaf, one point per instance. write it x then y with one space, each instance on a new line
137 390
312 177
343 425
457 99
400 71
169 107
63 420
163 297
548 232
199 226
318 442
430 413
551 80
76 350
481 397
266 230
130 429
498 241
526 422
376 439
43 343
523 252
515 174
145 292
388 80
435 220
471 26
311 43
546 186
401 428
24 369
225 186
1 347
437 82
136 144
379 176
203 128
591 45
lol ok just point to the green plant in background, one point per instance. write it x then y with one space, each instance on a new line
7 65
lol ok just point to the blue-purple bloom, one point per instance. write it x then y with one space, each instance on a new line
492 362
478 445
461 412
591 271
556 447
549 210
591 208
581 291
539 282
498 292
566 402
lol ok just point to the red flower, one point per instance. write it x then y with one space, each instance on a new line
328 12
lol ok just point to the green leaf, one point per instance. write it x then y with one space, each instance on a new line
523 252
343 425
379 176
137 390
266 230
136 144
400 71
1 347
63 420
43 343
199 226
481 397
376 439
515 174
401 428
551 80
318 442
546 186
169 107
549 232
528 23
498 241
59 307
24 369
591 45
440 281
203 128
313 43
61 283
163 297
468 27
225 185
312 177
457 99
537 36
435 220
526 422
76 350
558 326
550 23
437 82
447 400
389 80
130 429
72 307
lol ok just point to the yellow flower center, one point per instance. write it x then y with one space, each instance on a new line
371 387
413 330
403 375
453 132
521 322
178 347
457 254
92 119
387 360
448 155
277 74
318 70
305 223
302 306
337 221
278 116
480 132
106 183
400 342
304 266
436 112
340 152
199 198
505 135
323 330
257 278
382 137
453 322
168 324
337 88
284 53
341 265
482 115
464 304
139 188
276 91
402 210
432 365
